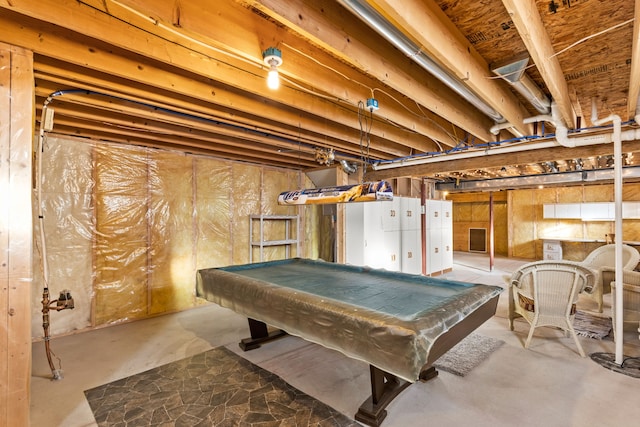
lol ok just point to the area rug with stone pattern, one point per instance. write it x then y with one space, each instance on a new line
215 388
467 354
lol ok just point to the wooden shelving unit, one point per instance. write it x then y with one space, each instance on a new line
290 237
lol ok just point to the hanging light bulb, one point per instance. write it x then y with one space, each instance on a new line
273 58
273 79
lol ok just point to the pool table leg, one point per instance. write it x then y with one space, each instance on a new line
384 388
259 335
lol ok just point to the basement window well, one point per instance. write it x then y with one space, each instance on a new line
477 240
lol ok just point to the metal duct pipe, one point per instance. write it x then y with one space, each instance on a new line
533 94
513 73
349 168
383 27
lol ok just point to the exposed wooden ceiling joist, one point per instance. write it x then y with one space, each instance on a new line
203 60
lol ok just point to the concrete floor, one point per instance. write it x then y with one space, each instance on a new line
546 385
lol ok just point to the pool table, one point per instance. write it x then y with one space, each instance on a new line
397 323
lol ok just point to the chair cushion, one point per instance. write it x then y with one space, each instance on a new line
528 304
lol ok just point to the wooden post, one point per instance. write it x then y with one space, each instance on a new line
341 250
16 232
423 228
491 231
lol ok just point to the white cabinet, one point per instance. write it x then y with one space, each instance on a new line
552 250
630 210
434 250
390 211
597 211
411 238
409 213
364 232
388 254
447 246
568 210
548 211
434 214
385 234
439 231
590 211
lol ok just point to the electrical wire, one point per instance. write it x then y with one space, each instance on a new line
311 58
423 115
572 45
372 90
365 135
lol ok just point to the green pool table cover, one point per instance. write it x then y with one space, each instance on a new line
387 319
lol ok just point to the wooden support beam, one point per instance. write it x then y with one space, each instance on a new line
531 28
431 28
634 82
489 161
332 28
16 234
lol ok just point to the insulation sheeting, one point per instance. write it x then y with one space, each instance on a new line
246 188
522 216
122 240
171 233
67 182
213 212
127 227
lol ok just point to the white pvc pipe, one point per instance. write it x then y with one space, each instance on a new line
579 141
39 203
495 129
542 118
617 186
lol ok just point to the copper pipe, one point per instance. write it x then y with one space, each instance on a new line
65 301
45 325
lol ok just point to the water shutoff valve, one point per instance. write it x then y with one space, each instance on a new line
65 300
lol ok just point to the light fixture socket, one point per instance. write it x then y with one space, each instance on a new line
372 104
272 57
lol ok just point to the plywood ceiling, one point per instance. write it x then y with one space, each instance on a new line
189 75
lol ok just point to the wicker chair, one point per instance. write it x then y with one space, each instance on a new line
603 260
545 293
630 298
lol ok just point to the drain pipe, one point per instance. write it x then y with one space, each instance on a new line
495 129
562 132
617 186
